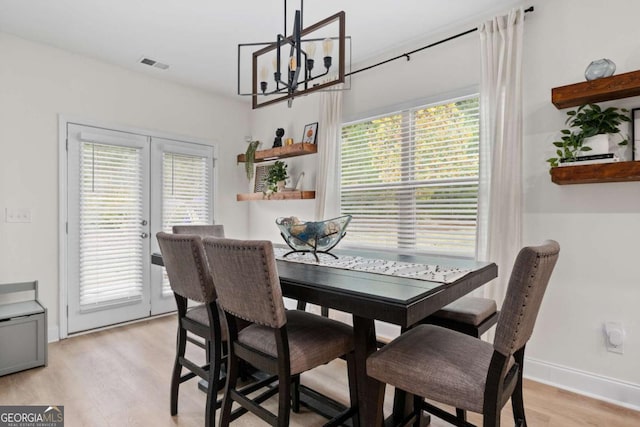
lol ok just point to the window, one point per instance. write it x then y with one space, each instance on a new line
185 195
410 178
185 190
111 209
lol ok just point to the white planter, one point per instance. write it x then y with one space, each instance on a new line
608 143
599 144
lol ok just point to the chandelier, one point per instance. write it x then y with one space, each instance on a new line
290 66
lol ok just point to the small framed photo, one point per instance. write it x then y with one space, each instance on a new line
310 133
635 134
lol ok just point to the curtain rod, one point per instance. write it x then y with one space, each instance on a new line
408 54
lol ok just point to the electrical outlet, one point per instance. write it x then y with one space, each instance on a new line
17 215
614 337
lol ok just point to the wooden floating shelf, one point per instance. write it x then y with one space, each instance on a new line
601 172
285 195
298 149
599 90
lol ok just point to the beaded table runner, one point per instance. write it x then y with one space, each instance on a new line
431 273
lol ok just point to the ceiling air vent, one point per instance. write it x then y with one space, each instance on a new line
153 63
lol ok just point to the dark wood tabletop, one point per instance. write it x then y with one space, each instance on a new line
399 300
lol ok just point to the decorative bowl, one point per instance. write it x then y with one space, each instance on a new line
312 236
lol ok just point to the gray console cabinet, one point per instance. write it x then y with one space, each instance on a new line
23 330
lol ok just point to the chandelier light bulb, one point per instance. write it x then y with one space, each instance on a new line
293 64
327 46
274 62
263 73
311 50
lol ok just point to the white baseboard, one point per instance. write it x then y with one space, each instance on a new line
53 334
585 383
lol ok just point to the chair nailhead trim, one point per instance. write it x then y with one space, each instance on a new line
265 270
526 297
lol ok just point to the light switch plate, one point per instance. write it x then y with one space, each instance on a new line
17 215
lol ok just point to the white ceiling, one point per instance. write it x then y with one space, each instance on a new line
199 38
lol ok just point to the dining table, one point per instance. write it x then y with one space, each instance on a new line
369 296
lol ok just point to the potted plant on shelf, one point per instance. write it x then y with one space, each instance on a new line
250 158
597 130
277 176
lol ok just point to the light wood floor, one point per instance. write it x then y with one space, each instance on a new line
120 377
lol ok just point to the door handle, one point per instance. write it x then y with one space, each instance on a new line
144 235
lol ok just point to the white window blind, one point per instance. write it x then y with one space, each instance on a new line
410 179
111 209
185 190
185 194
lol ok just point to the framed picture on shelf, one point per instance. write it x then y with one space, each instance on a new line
635 134
310 133
260 183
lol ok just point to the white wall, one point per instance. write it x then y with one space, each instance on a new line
264 122
37 83
597 225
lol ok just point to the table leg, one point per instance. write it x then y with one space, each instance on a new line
370 399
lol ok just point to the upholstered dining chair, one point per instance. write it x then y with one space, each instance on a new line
455 369
215 230
279 341
470 315
190 279
206 230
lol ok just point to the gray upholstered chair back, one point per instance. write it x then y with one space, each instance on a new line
186 264
247 280
216 230
529 278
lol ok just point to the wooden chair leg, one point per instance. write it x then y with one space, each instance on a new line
517 401
491 420
284 400
461 414
232 380
215 357
417 410
181 344
295 394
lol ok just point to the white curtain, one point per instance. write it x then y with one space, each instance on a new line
500 202
328 176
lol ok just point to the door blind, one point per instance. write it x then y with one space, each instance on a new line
410 179
111 213
185 194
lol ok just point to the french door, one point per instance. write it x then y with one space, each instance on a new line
122 189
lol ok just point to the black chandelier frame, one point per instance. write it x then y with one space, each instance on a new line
292 86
